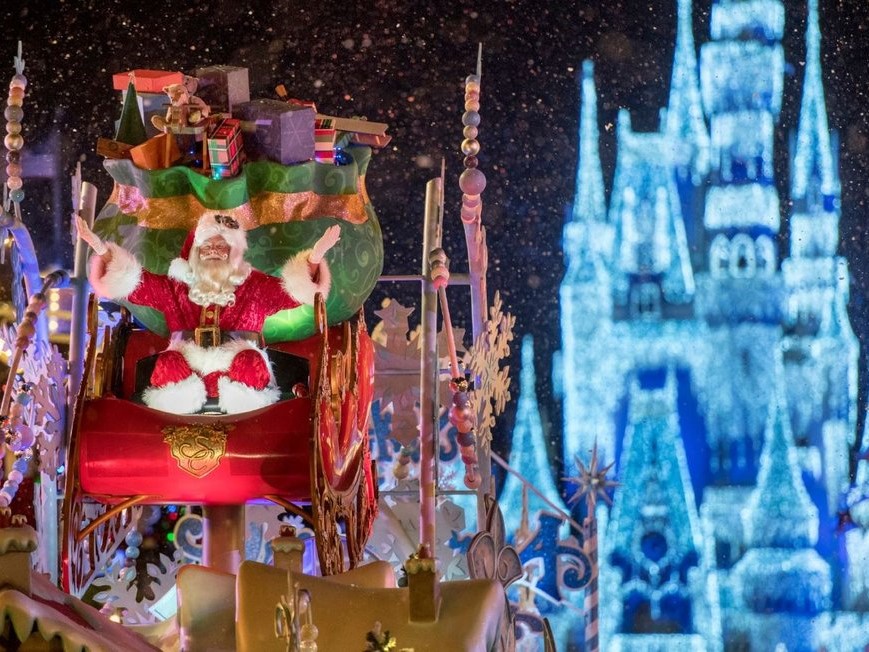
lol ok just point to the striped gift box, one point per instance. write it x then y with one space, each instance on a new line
224 148
324 141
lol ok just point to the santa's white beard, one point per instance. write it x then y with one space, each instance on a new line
214 281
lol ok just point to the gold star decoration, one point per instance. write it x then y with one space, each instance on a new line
591 482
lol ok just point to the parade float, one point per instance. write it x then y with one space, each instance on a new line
128 527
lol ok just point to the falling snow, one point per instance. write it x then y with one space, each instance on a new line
404 63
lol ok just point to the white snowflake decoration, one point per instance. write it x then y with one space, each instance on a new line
396 534
117 588
45 369
491 381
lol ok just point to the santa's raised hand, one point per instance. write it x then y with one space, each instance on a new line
328 240
85 233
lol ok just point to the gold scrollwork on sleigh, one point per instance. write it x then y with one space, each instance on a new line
198 449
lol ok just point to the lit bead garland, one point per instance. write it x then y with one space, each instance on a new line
20 439
17 435
462 416
14 141
472 181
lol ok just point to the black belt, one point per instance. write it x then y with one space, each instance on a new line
213 336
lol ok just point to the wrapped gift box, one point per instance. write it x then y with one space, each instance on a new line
370 140
277 131
225 152
223 87
146 81
324 141
156 153
356 125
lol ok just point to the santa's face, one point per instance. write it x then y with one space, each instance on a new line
215 248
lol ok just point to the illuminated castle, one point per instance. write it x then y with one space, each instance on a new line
718 371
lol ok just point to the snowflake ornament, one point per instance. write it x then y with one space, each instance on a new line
491 381
44 369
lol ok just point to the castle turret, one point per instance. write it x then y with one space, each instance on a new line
528 455
663 570
815 188
686 128
813 271
820 347
742 75
782 582
587 235
685 122
652 275
586 296
741 296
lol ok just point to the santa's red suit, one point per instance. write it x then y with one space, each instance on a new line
235 370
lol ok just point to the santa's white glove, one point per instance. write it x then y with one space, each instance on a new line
85 233
324 244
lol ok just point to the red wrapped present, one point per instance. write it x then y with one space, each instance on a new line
146 81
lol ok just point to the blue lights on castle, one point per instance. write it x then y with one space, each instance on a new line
716 369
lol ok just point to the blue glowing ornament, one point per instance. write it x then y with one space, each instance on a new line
342 157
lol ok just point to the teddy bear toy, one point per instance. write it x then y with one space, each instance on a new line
184 109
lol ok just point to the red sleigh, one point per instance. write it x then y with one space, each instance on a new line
308 449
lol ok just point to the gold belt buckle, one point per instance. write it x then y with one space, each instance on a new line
206 336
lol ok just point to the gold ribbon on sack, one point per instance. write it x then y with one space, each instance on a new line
183 211
197 448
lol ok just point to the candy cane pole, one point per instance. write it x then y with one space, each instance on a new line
592 597
591 482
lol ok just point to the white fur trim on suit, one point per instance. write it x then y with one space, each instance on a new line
297 280
234 397
184 397
179 269
205 360
119 277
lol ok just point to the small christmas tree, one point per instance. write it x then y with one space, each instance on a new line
131 128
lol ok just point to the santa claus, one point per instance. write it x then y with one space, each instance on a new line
215 304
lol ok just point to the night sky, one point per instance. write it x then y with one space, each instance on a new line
404 63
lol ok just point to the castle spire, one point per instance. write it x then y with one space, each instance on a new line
587 236
589 204
815 181
781 574
528 453
655 536
684 119
780 513
815 185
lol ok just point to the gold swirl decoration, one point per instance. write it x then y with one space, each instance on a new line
197 448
